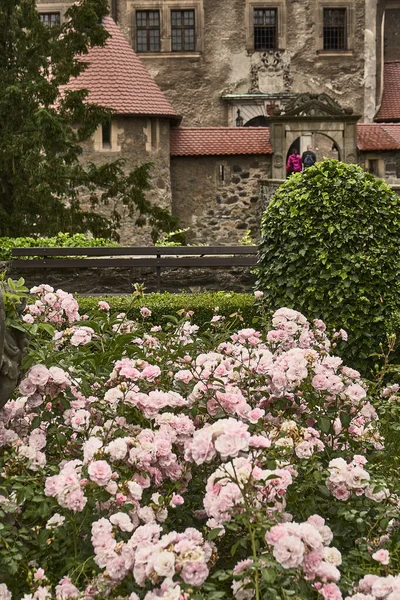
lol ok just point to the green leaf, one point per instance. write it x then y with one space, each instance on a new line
324 424
214 533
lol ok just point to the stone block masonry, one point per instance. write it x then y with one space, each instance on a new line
137 140
219 197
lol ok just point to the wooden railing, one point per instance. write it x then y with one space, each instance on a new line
157 257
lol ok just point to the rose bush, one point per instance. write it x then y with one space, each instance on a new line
146 462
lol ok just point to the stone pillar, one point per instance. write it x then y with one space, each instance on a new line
370 53
350 142
279 150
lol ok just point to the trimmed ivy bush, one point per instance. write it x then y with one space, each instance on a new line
61 240
330 248
165 305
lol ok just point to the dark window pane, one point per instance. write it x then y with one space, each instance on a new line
141 41
106 135
183 33
265 17
50 18
265 29
189 39
176 18
148 31
176 40
154 18
335 34
154 41
188 17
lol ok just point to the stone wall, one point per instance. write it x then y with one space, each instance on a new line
224 61
194 84
386 165
136 140
219 197
392 34
392 166
120 281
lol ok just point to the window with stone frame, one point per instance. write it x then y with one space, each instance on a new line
183 31
265 22
106 135
148 31
335 29
50 18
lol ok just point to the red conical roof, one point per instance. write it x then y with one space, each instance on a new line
390 106
117 79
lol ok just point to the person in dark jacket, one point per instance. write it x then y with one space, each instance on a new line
294 163
308 158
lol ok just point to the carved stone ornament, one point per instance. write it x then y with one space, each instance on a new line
12 348
351 159
314 105
278 161
271 73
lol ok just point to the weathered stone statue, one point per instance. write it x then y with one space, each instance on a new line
12 348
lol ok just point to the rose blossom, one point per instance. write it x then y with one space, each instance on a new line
5 593
100 472
122 521
330 591
382 556
39 375
164 563
194 573
289 551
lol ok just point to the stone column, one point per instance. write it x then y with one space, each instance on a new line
350 142
370 53
278 148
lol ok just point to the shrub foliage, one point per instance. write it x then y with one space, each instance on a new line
61 240
161 305
330 248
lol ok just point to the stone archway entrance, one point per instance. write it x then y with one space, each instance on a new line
305 116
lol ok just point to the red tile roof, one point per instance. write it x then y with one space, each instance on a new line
205 141
209 141
378 136
390 106
117 79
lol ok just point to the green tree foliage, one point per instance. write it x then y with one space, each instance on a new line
42 128
330 249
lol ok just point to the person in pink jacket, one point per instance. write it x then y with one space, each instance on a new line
294 163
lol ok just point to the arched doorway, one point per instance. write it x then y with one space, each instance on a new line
321 144
294 146
325 147
314 118
257 122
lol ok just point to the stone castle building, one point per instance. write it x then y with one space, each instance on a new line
215 93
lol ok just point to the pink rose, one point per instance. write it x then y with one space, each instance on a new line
39 375
382 556
177 500
27 388
100 472
39 574
103 305
330 591
289 551
194 573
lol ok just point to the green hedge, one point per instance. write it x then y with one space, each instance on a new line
330 249
61 240
161 305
